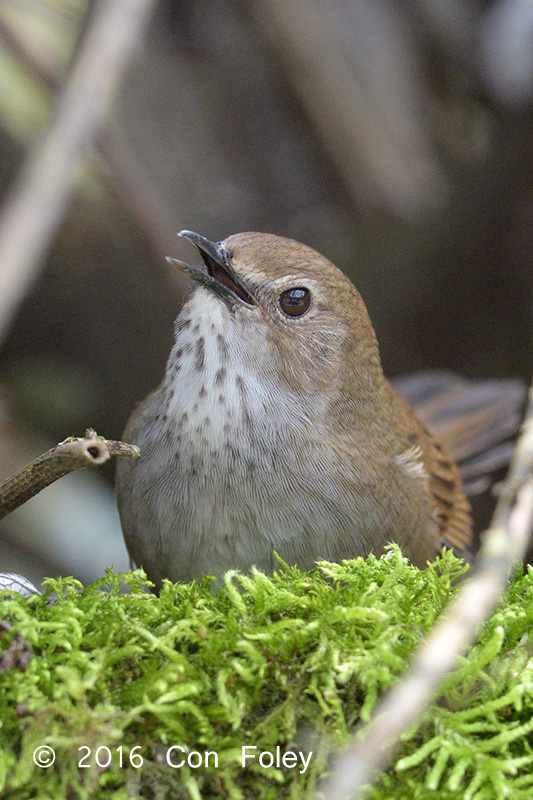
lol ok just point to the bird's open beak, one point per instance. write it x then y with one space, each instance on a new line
220 276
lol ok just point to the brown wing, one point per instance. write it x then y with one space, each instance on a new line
446 487
452 509
473 420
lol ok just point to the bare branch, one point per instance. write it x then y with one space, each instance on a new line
34 210
132 183
67 456
505 543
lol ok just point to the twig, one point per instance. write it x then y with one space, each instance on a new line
132 183
72 454
26 56
505 543
34 210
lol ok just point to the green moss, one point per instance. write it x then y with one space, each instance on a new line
292 661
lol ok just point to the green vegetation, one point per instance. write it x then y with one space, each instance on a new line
294 661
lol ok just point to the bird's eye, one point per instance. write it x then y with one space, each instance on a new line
295 302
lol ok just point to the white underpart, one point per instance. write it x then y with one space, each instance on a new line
197 393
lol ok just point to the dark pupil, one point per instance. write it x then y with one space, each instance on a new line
295 302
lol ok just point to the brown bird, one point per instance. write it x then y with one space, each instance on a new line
274 428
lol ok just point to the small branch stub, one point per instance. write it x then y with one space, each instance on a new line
74 453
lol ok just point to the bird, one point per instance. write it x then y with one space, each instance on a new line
275 433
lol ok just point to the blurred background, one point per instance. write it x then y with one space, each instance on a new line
395 137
